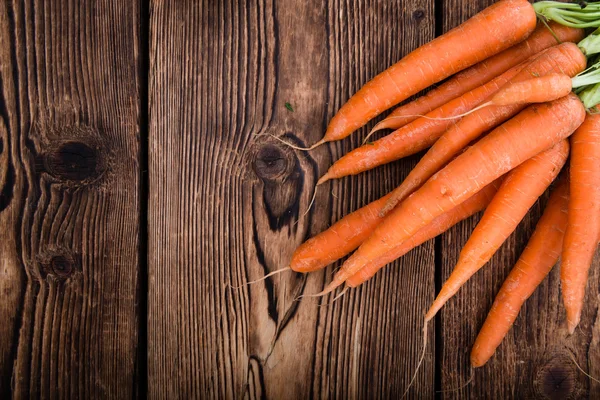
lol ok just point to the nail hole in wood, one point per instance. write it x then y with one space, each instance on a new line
73 161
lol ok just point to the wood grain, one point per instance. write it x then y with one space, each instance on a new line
534 360
225 198
69 198
226 205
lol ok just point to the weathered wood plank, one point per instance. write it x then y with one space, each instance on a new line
69 198
224 198
534 361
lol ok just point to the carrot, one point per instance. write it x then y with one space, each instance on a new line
415 136
439 225
541 38
535 129
518 193
566 58
535 90
535 263
584 217
496 28
338 240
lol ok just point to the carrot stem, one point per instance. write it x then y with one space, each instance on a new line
591 44
570 14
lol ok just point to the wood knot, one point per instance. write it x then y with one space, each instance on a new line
59 265
557 378
73 161
418 15
271 162
281 172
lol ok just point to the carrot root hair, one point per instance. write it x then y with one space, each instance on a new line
320 294
312 201
581 369
421 358
278 271
343 292
461 387
293 146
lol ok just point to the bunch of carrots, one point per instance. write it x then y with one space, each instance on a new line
518 108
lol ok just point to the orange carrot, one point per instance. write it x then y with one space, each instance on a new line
535 263
535 90
439 225
478 74
338 240
496 28
417 135
520 190
584 217
566 58
535 129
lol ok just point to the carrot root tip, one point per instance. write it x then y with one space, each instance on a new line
581 369
312 201
420 359
461 387
571 326
323 179
278 271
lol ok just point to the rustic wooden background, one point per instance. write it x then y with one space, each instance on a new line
137 179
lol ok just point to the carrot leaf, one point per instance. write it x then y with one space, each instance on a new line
591 43
590 96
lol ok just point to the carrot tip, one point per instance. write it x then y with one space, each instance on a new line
323 179
320 142
571 326
431 313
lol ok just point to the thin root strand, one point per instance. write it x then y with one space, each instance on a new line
343 292
312 201
375 129
420 359
582 371
261 279
293 146
461 387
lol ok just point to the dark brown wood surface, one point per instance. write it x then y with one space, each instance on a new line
225 198
112 287
69 198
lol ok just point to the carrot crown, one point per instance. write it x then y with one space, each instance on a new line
579 15
587 86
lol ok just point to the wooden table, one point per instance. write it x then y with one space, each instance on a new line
138 179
